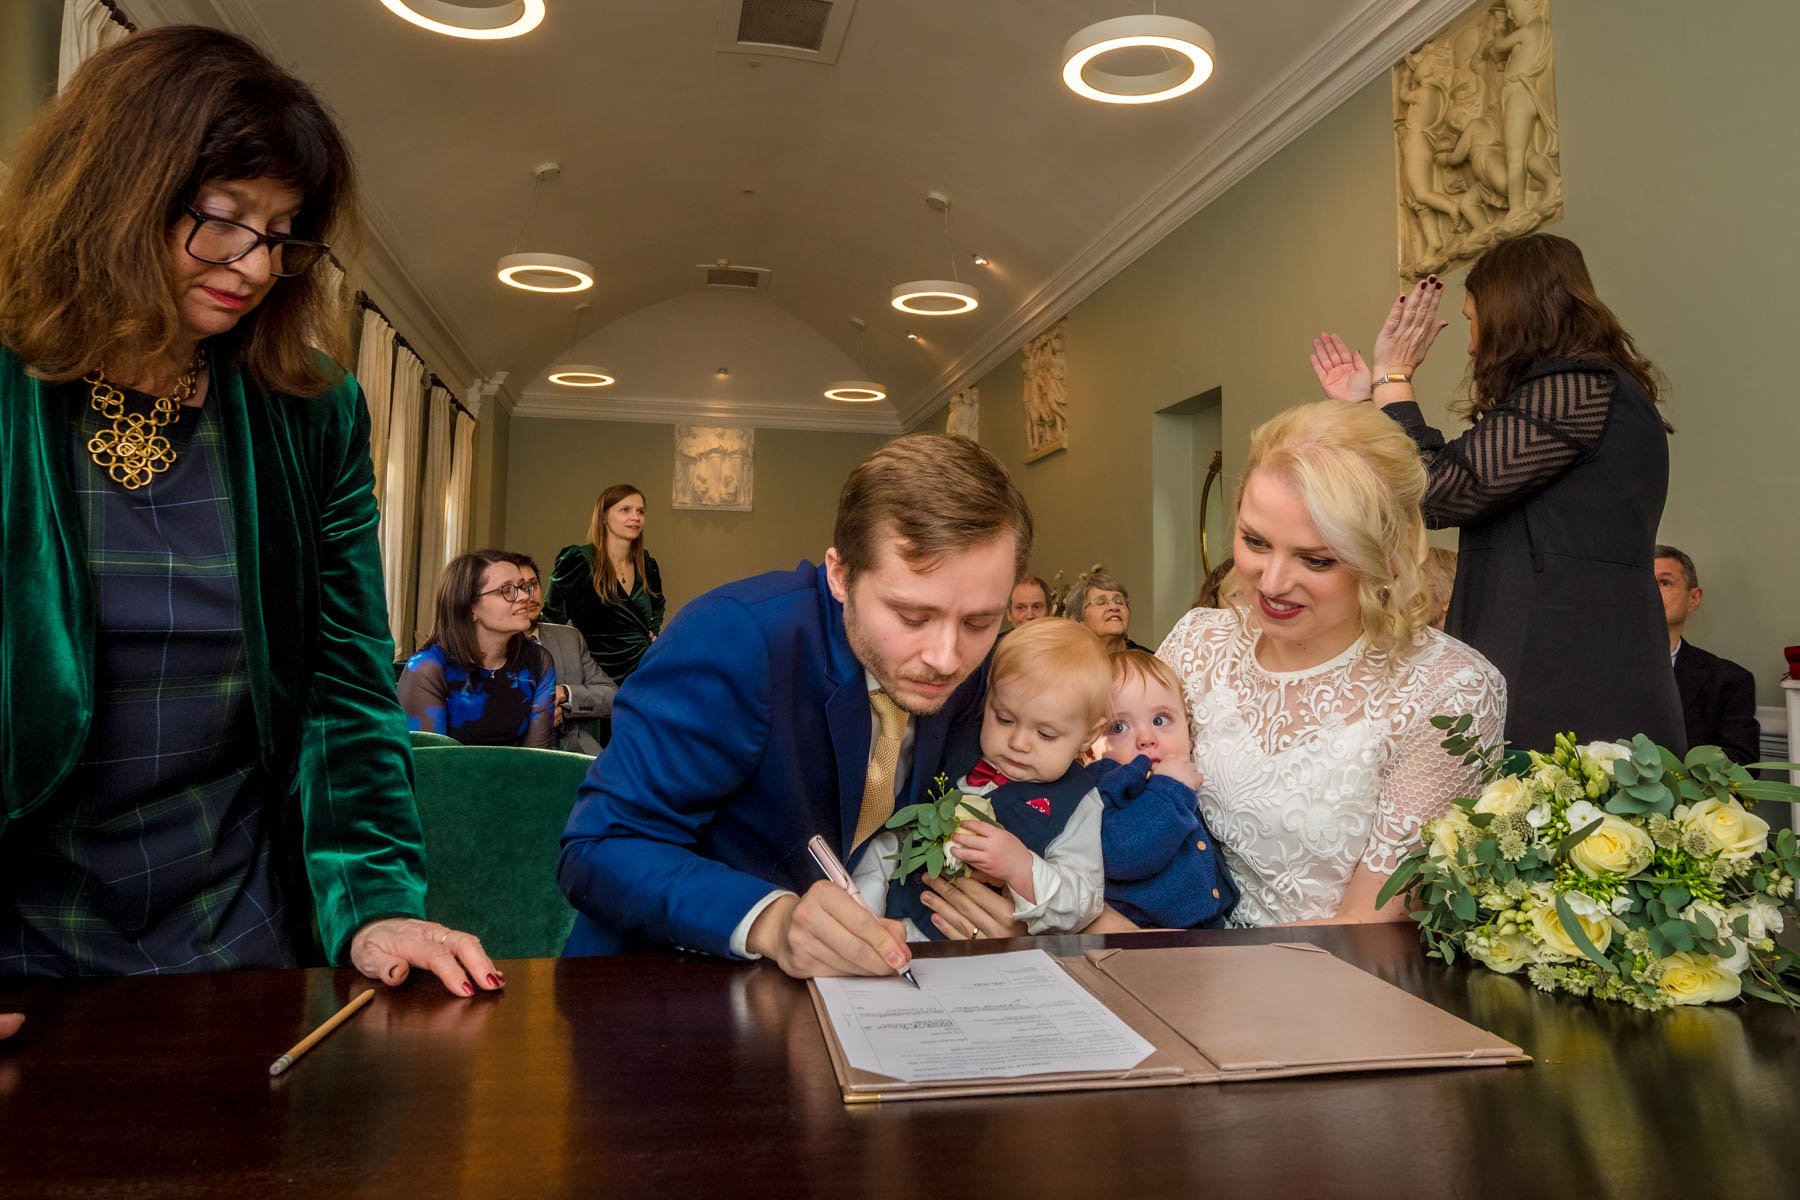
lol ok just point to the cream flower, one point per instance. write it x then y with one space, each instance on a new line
1505 952
1689 978
1616 848
980 804
1504 795
1602 755
1557 945
1447 833
1765 918
1581 814
1727 827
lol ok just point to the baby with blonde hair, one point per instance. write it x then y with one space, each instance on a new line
1048 693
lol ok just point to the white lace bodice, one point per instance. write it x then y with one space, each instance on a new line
1308 773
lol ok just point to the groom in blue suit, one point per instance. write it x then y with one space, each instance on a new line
748 726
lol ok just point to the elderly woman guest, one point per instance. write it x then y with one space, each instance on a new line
610 588
584 693
480 679
1101 603
1312 706
204 756
1557 486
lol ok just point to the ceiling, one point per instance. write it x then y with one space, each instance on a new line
675 153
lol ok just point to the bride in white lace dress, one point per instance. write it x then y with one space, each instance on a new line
1312 703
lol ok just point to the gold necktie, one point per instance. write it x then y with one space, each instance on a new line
878 789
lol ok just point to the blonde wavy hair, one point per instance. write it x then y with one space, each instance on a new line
1361 480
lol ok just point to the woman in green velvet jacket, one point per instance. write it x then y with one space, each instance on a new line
202 760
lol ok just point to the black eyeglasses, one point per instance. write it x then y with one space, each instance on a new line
218 241
512 593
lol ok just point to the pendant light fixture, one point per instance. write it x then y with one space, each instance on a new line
579 375
857 391
489 21
537 271
1172 35
937 297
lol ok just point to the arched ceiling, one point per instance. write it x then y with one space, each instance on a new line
675 153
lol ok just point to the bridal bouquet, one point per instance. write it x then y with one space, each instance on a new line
1614 870
925 830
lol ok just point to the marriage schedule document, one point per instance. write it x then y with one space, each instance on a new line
992 1016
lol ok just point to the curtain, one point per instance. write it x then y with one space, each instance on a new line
375 371
434 500
87 26
399 506
462 482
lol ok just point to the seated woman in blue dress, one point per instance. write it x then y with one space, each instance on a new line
479 679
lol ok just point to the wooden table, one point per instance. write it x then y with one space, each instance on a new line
683 1078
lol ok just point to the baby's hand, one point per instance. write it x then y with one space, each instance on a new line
1182 770
992 850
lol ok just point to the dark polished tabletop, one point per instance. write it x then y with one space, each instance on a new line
682 1077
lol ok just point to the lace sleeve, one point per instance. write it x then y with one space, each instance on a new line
1421 779
1545 427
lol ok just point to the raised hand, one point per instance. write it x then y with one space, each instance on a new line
1410 328
1342 372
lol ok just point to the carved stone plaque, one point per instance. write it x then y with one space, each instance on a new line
965 415
1475 136
1046 392
715 467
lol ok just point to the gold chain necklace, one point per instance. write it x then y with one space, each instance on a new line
134 451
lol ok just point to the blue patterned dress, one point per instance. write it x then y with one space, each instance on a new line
513 705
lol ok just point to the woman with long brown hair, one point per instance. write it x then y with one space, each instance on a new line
201 754
610 588
1557 486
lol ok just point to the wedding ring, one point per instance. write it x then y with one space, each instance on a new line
443 937
974 932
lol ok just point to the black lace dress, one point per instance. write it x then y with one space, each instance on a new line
1558 492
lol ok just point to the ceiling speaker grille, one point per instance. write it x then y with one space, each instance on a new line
747 278
796 24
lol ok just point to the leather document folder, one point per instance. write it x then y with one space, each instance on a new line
1218 1014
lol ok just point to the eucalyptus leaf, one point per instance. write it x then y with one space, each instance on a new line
1625 772
1402 875
1676 896
1463 904
1679 933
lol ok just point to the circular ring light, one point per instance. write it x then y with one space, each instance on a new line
855 391
579 375
546 273
935 298
482 22
1168 33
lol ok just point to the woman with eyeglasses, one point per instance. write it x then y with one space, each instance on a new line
480 679
1102 604
201 758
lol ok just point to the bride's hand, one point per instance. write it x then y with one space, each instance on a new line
966 908
1343 375
1410 328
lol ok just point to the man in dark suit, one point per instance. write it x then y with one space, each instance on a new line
1718 697
797 703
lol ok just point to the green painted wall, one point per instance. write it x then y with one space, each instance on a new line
1679 173
493 447
558 467
30 35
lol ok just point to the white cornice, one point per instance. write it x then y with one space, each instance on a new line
1363 49
669 411
376 269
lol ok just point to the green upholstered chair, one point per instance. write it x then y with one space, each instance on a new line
421 738
493 818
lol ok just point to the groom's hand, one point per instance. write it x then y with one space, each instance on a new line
826 932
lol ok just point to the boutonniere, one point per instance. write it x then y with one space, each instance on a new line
925 830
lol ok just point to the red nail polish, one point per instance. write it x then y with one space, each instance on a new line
493 979
468 988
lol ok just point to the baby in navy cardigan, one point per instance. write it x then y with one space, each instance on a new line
1163 868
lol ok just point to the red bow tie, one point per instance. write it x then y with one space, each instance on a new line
981 773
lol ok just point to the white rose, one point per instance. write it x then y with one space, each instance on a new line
1728 827
1505 952
1504 795
1447 833
980 804
1557 945
1720 919
1765 919
1618 848
1689 978
1602 755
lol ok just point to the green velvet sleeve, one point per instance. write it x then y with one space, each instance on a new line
365 854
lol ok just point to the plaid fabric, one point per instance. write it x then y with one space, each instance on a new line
156 856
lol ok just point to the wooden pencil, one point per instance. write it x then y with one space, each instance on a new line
316 1036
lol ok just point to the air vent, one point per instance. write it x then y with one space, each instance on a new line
732 277
809 29
796 24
